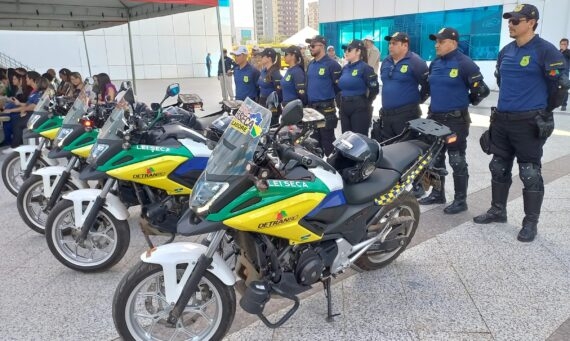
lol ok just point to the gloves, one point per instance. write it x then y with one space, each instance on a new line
545 123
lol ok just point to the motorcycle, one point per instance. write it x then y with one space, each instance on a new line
140 158
80 127
44 123
297 220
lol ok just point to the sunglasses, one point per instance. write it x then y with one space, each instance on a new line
516 21
315 45
391 71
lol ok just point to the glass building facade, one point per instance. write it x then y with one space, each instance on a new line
479 31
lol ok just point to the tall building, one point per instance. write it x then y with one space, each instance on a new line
278 19
313 15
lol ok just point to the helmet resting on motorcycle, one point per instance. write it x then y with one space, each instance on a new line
355 156
216 129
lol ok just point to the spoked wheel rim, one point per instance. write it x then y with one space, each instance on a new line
98 247
386 229
35 203
147 312
14 174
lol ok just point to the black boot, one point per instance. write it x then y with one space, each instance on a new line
459 203
498 211
437 196
418 190
532 203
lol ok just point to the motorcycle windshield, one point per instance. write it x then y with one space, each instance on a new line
108 132
79 107
43 104
233 152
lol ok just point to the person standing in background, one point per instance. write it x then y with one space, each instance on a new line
373 53
208 63
229 65
566 53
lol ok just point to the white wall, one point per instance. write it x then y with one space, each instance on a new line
554 22
173 46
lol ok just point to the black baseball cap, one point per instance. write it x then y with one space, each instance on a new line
522 11
268 52
445 33
293 50
355 44
399 36
316 39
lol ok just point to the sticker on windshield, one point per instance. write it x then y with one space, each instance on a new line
246 122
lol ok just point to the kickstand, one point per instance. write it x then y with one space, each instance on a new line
327 288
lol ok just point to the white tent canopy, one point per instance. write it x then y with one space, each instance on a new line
299 37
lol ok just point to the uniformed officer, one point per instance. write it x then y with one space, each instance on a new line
531 79
293 84
455 81
404 77
566 53
245 76
322 87
359 87
270 80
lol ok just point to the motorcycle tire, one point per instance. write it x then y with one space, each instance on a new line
56 234
11 172
128 291
26 196
373 260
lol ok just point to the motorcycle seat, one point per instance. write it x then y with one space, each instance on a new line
204 122
377 183
400 156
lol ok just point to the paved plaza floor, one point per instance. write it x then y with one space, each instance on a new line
457 281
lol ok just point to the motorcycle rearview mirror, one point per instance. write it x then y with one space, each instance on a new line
125 85
292 113
272 100
129 96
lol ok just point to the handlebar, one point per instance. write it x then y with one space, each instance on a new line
287 153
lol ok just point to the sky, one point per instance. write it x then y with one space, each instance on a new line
243 12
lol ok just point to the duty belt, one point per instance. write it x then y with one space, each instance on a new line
518 115
321 104
354 98
400 110
454 113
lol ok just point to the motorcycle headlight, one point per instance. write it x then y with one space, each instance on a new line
32 121
62 135
96 151
204 195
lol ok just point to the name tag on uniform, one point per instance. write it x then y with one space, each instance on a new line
322 71
453 73
525 60
354 72
245 79
404 69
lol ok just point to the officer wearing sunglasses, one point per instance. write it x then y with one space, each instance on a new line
532 82
359 87
454 81
322 87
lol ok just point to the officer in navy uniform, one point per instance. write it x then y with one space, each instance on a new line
404 77
245 76
531 79
454 81
293 84
322 87
359 87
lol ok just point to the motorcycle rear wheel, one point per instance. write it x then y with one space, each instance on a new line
140 308
105 244
32 191
405 205
12 172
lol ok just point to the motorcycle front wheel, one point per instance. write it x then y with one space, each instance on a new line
31 202
105 244
406 205
140 309
12 172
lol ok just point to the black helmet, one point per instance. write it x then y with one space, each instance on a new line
216 129
355 156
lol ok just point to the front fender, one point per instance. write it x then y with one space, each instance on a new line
112 204
170 255
48 172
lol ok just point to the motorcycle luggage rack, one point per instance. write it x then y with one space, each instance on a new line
429 127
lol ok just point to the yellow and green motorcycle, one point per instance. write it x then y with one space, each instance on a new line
296 220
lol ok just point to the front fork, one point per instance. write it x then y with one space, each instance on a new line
92 215
59 185
33 159
191 285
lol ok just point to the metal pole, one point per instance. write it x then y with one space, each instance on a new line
224 90
87 53
132 56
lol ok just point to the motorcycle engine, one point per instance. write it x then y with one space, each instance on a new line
309 267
